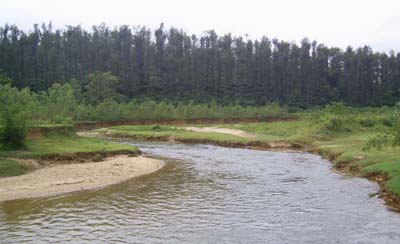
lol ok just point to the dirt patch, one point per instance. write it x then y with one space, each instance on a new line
234 132
61 179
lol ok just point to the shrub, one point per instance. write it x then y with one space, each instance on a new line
387 122
60 119
378 142
13 130
11 168
391 137
367 122
98 158
334 124
156 127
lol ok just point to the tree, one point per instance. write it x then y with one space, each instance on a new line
102 86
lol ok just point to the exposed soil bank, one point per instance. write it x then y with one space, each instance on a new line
392 200
61 179
96 125
81 157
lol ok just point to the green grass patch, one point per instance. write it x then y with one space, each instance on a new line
392 169
163 131
63 144
11 168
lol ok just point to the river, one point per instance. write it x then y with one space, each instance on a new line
212 194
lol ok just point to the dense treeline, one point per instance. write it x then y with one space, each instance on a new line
62 104
172 65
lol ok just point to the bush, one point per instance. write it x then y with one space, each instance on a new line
59 119
334 124
98 158
156 127
387 122
11 168
367 122
391 137
13 130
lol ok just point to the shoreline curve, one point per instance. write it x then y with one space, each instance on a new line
63 179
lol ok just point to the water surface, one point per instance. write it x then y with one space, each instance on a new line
212 195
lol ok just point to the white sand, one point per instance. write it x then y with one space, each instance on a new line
235 132
62 179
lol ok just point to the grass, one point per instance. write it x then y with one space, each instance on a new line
11 168
165 132
392 169
57 142
64 144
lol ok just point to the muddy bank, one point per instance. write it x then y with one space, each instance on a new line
61 179
96 125
81 157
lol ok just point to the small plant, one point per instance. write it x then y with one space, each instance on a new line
156 128
98 158
334 124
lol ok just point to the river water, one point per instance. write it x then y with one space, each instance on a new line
212 195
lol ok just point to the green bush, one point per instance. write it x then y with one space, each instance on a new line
367 122
156 127
334 124
11 168
387 122
13 130
98 158
391 136
60 119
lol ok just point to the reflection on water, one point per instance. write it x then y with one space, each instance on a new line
212 195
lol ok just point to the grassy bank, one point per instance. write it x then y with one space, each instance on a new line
58 145
165 132
339 136
11 168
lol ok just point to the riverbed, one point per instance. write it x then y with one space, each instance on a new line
210 194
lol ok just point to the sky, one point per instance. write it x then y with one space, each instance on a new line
334 23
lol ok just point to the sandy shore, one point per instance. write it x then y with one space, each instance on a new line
62 179
235 132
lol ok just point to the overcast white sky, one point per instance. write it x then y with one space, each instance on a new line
335 23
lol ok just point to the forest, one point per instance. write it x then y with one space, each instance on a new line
174 66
